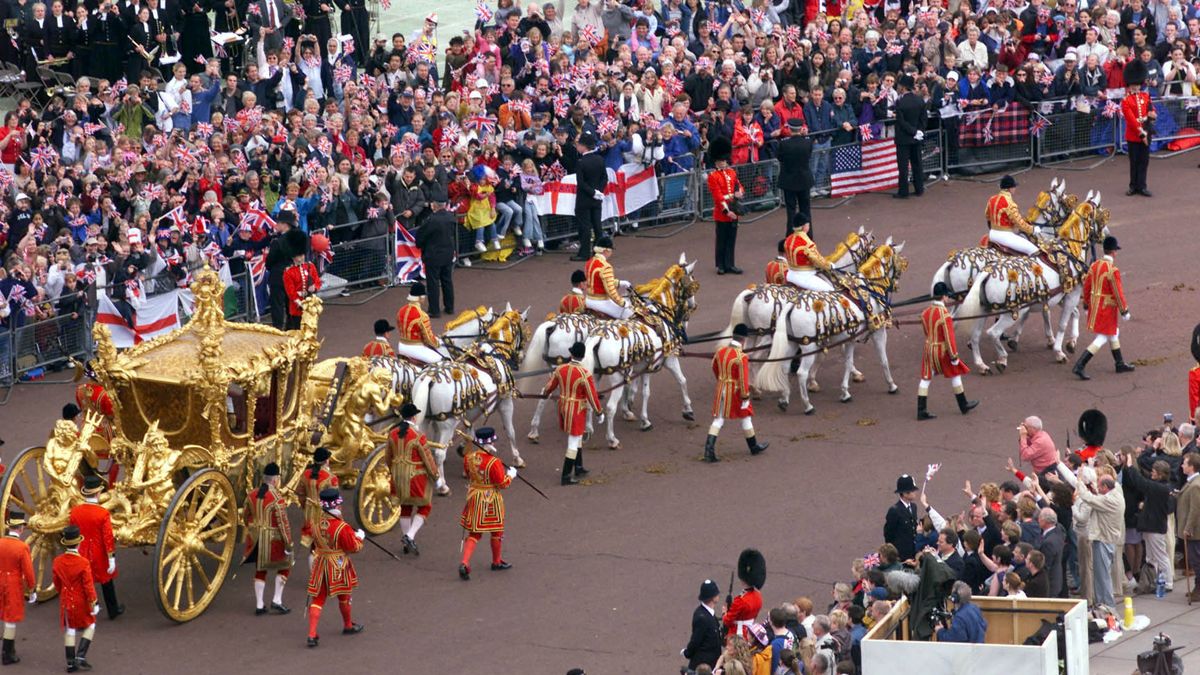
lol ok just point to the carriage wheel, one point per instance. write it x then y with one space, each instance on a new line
27 488
377 509
196 542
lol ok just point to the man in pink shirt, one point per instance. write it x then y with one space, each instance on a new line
1037 447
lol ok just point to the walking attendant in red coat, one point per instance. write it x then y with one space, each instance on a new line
77 605
732 399
940 355
17 584
1194 378
484 510
381 345
99 547
577 395
333 573
414 472
268 539
1104 300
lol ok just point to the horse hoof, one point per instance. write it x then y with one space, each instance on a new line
689 415
846 398
1000 367
629 417
520 463
858 377
814 386
985 371
614 445
1049 344
443 491
811 410
647 426
533 438
783 406
894 389
1060 358
1070 347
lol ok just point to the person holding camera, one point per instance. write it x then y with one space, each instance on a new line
966 623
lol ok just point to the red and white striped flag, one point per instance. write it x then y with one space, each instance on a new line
867 168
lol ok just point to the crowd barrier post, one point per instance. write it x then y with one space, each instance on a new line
361 264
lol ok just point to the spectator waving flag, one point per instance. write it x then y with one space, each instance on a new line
258 221
589 33
42 157
177 218
1111 108
483 13
409 267
870 167
481 125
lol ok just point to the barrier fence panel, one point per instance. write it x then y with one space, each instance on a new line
1072 134
6 357
822 159
1177 120
676 203
933 155
361 261
987 142
760 180
49 343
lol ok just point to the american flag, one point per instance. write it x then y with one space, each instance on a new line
868 167
409 267
257 219
483 12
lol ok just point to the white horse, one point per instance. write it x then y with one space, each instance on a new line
820 318
1015 284
759 306
478 381
665 304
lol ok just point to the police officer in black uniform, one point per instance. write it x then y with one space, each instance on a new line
437 240
900 527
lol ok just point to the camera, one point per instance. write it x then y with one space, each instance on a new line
939 615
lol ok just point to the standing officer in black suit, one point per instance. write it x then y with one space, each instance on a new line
705 643
795 177
279 258
910 131
437 241
591 180
900 527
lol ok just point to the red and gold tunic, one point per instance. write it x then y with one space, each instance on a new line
601 282
16 578
721 184
1104 296
72 576
415 327
802 254
1002 214
732 368
777 271
308 492
297 280
95 524
332 571
268 532
941 350
1193 391
412 467
378 347
571 303
1135 108
577 395
91 397
484 510
742 612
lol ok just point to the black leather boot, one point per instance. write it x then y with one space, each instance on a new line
922 410
72 664
567 478
755 448
1122 367
81 654
965 406
579 470
8 655
1081 364
710 449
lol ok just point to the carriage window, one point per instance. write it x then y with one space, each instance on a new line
265 419
235 408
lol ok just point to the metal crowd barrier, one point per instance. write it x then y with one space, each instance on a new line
1177 120
364 262
760 180
1073 135
986 157
49 343
7 372
676 203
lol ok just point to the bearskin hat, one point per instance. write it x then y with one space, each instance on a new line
752 568
1093 427
296 242
1135 72
1196 342
720 148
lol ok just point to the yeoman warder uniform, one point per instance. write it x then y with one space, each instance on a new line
484 510
732 398
333 573
940 355
1104 300
577 395
268 539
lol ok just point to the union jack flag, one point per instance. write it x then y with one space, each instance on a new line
254 9
521 106
1111 109
201 60
607 125
894 49
930 470
200 227
589 33
483 13
1040 124
562 105
257 219
871 560
1046 79
673 85
409 267
120 86
159 141
42 157
387 4
177 218
426 52
152 192
554 172
411 146
185 155
348 47
325 146
341 74
6 180
204 129
758 16
212 253
92 129
650 121
481 124
372 212
866 132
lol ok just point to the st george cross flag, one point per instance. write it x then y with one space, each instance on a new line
869 168
629 188
158 315
409 267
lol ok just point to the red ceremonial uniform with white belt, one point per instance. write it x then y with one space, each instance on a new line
72 574
723 183
1104 296
16 578
732 368
578 393
941 350
742 612
333 572
777 271
484 510
95 524
1134 108
268 532
296 282
378 347
308 493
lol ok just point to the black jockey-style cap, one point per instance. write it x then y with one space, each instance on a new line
604 242
92 485
383 327
330 498
271 469
71 536
321 455
796 123
1008 182
578 277
741 330
578 350
408 410
1111 244
70 411
940 290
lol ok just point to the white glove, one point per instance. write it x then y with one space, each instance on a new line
95 609
33 598
512 472
360 534
954 362
920 135
745 404
240 253
623 285
598 195
112 564
1127 315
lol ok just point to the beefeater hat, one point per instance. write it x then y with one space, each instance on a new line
752 568
1093 427
1196 342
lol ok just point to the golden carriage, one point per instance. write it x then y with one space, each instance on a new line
198 413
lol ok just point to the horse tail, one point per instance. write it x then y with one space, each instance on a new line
420 397
972 304
534 356
773 375
737 314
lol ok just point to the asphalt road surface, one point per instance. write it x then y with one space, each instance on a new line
605 574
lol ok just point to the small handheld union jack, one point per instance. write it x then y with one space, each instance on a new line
483 13
42 157
1111 108
341 74
481 124
865 131
1040 124
589 33
204 129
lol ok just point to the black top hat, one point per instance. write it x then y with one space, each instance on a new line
1196 342
296 242
720 149
940 290
71 536
271 469
741 330
1008 182
321 454
417 290
603 242
409 410
905 483
383 327
1093 427
330 498
92 485
1111 244
1135 72
16 518
485 435
578 277
752 568
70 411
796 123
578 350
587 139
906 81
709 590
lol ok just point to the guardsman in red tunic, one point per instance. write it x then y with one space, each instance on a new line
77 605
1104 300
603 290
1139 114
317 477
577 395
940 355
381 345
268 539
573 302
333 573
1005 222
299 281
732 400
417 341
777 269
484 510
17 584
98 547
743 610
725 188
413 472
805 262
1194 379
